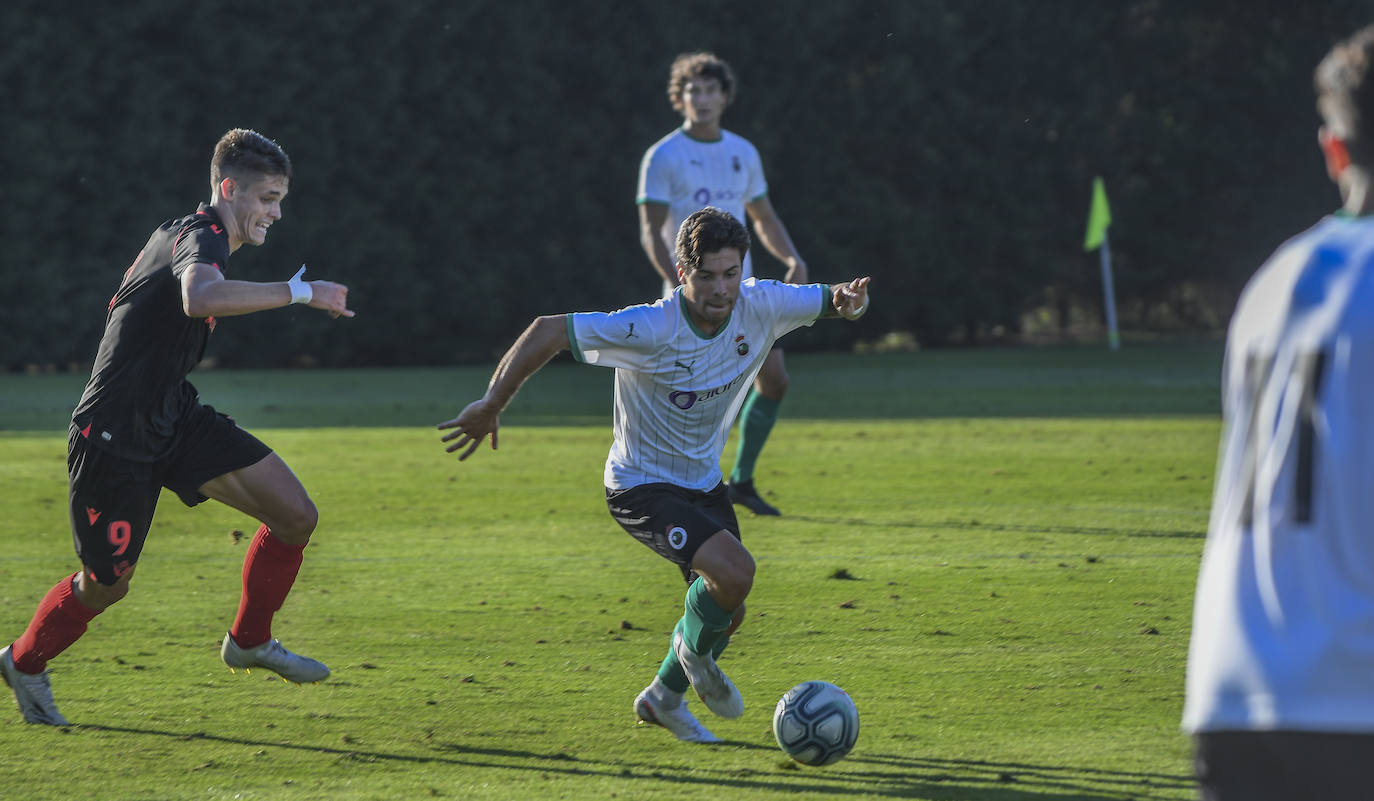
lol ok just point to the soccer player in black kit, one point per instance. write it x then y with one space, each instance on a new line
140 426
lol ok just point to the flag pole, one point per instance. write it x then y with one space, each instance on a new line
1108 292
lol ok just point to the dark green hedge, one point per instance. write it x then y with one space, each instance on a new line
464 166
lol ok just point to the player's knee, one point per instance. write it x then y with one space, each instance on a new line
99 597
117 592
309 517
727 567
298 523
747 571
774 384
739 578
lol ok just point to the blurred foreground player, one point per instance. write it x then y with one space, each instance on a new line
140 426
1280 693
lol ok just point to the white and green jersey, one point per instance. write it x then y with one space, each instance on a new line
687 174
1283 624
677 391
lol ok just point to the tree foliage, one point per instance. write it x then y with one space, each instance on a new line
465 166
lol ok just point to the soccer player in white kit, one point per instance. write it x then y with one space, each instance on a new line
1280 688
682 368
701 164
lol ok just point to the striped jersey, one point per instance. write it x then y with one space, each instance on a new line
1283 622
687 174
677 391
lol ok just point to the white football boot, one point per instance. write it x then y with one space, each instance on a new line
682 723
271 655
32 691
712 686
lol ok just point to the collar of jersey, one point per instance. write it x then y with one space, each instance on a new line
682 304
717 140
212 213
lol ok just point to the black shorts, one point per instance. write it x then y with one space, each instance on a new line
1282 765
673 521
112 499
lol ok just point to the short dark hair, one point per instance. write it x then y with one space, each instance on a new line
1345 93
693 65
707 231
245 155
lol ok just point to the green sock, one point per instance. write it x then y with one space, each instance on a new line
756 419
703 621
670 672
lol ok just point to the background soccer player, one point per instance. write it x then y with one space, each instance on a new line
701 164
1281 666
682 367
140 426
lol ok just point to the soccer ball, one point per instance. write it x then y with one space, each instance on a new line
816 723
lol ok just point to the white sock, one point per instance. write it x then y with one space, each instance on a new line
664 695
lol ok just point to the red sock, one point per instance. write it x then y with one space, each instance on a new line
269 570
60 621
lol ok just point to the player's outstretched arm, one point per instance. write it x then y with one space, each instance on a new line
206 293
848 300
542 340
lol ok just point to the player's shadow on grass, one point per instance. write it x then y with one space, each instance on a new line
1017 780
918 777
861 775
978 525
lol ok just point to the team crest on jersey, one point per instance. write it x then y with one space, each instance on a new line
734 162
677 537
741 347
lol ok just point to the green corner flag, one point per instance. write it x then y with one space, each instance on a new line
1099 216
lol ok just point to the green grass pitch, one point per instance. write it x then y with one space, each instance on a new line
993 551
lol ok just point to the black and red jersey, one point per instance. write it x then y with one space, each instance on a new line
138 389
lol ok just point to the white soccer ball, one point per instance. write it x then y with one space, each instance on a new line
816 723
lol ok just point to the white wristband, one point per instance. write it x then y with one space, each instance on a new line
300 290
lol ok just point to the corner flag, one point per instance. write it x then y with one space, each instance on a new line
1099 217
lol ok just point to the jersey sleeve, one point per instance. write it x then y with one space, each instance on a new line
758 185
789 306
655 178
622 338
199 243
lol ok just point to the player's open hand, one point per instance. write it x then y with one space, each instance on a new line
851 299
472 425
330 297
